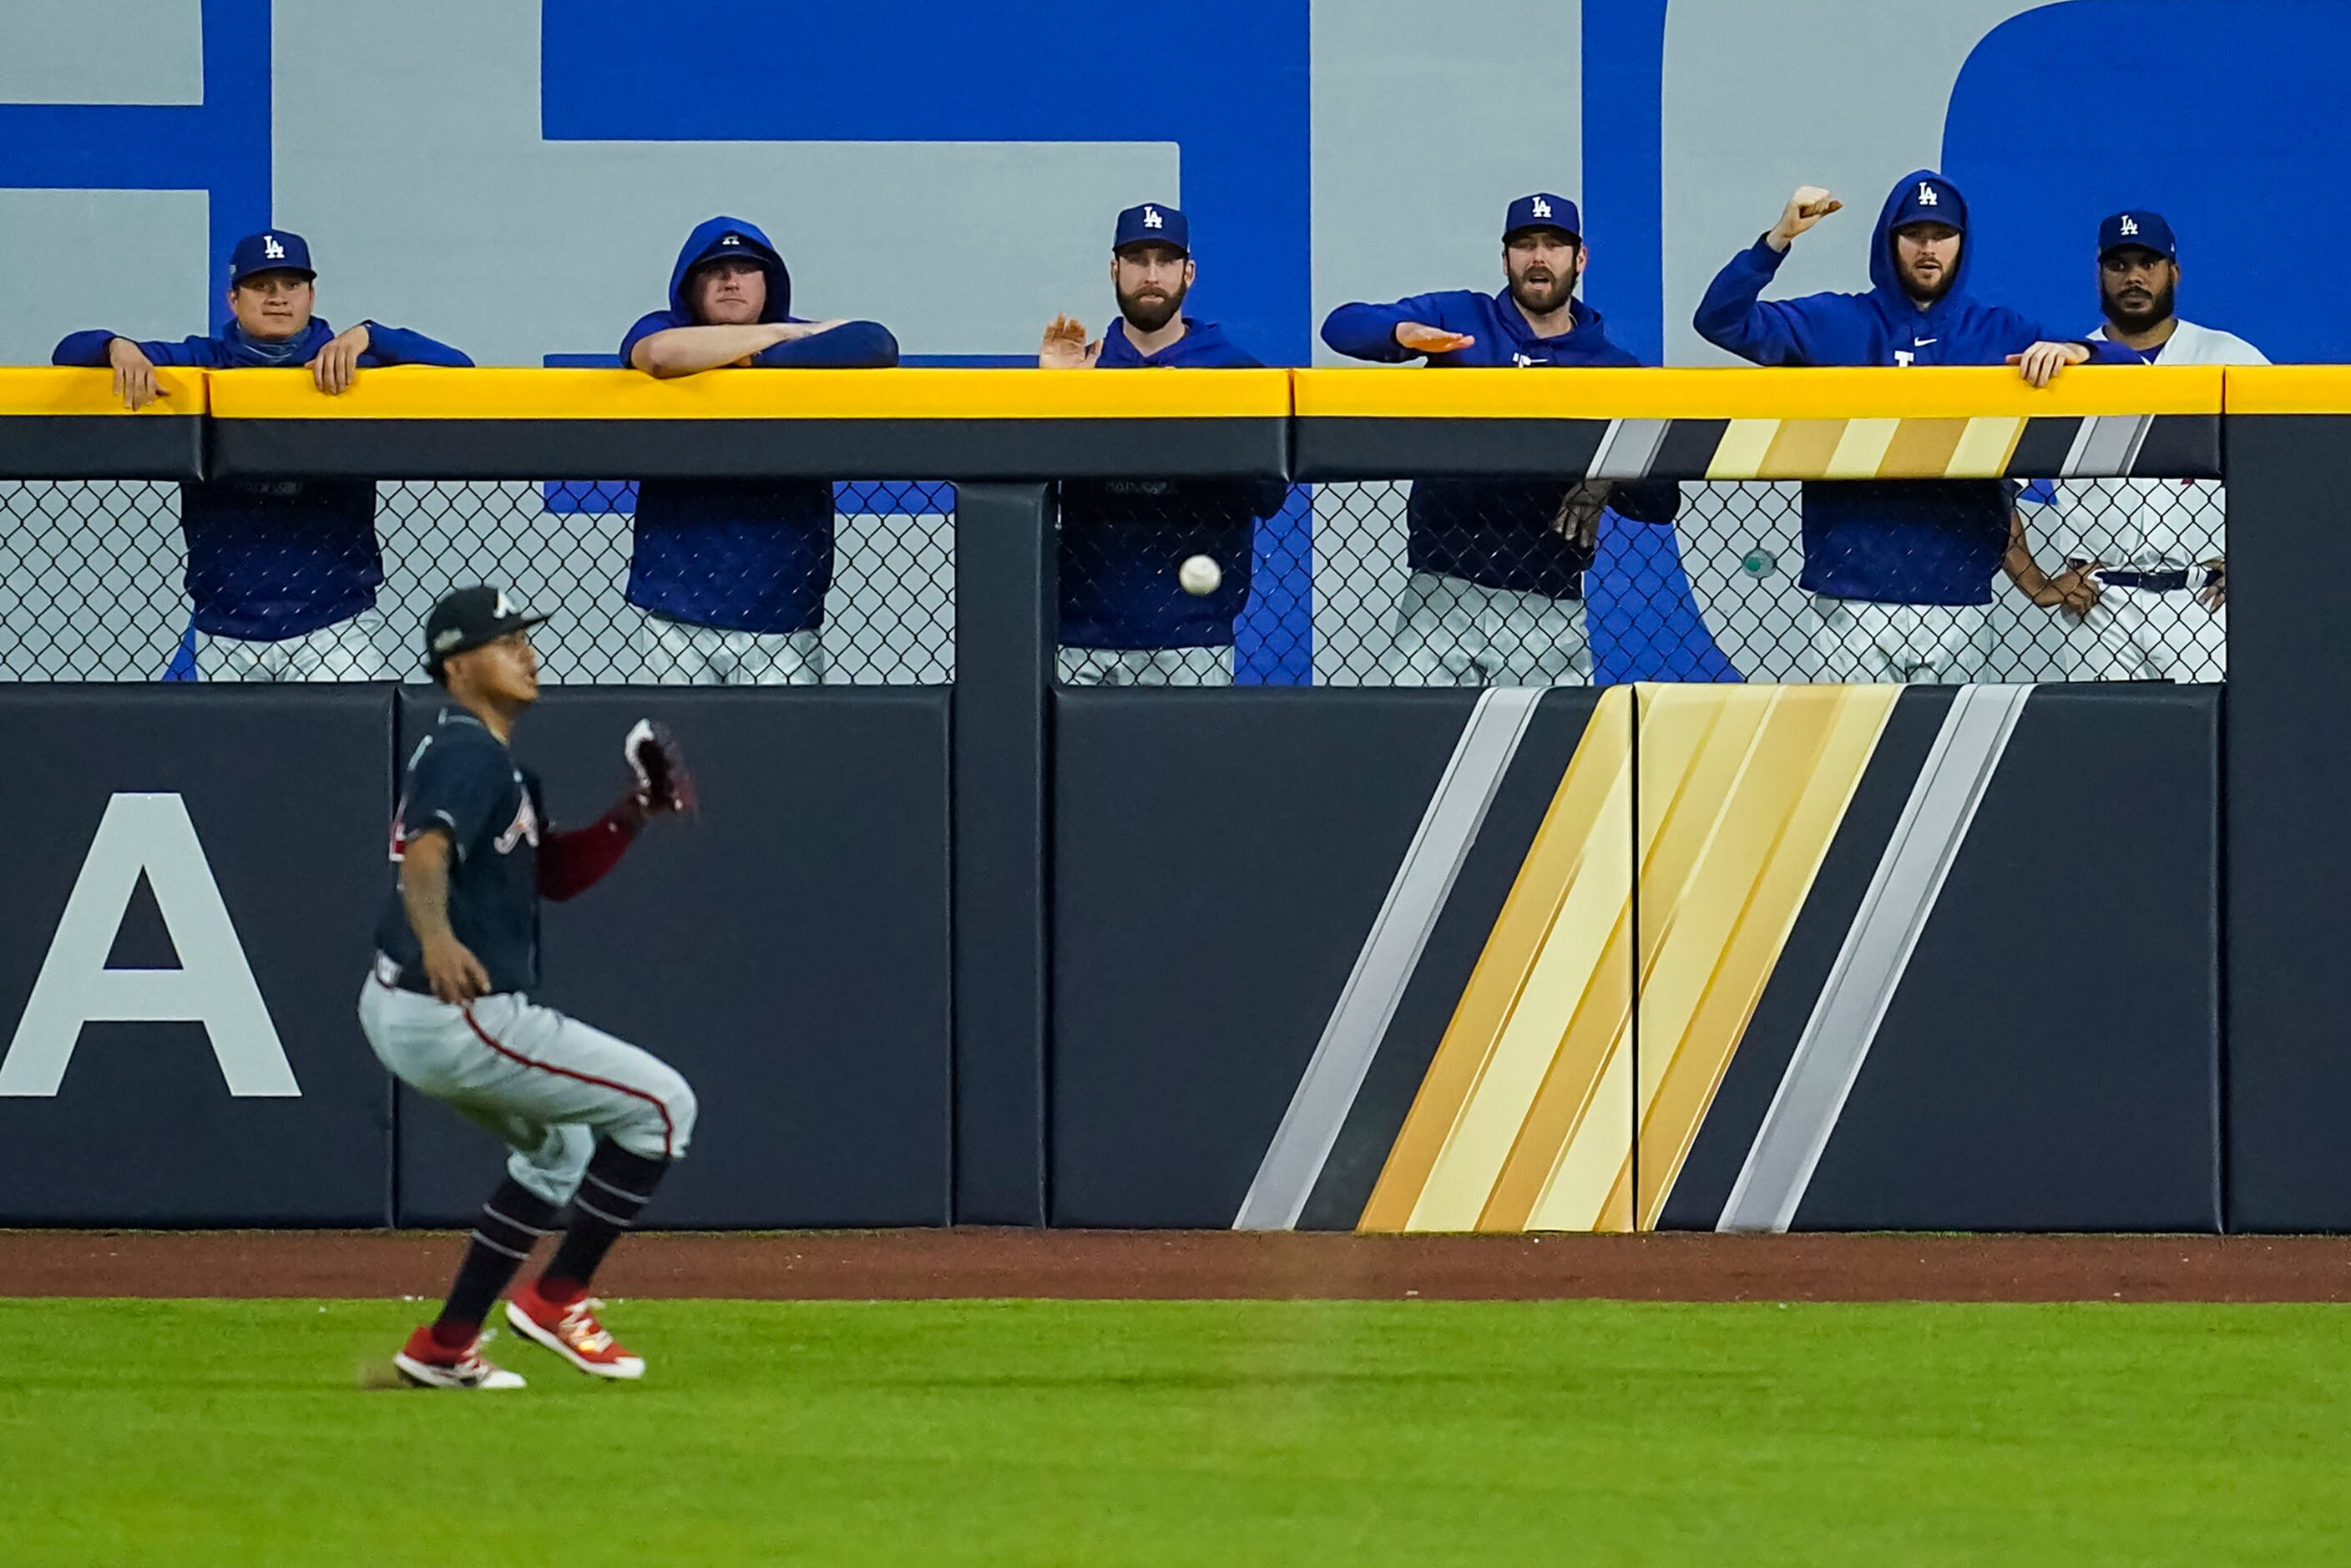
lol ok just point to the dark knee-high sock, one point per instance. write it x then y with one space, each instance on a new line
612 1195
512 1218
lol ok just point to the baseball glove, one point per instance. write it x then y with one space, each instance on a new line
663 781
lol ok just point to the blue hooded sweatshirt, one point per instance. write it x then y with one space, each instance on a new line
746 555
1889 541
1499 533
1122 539
273 558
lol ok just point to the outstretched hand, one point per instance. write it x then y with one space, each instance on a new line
1422 339
1065 347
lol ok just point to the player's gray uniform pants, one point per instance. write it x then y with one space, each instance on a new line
1147 666
348 651
1857 643
2152 634
1454 633
546 1084
677 654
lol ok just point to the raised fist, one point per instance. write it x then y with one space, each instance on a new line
1808 206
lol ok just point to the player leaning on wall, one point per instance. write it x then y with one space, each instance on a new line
283 572
1899 571
731 574
1495 594
2152 546
1138 608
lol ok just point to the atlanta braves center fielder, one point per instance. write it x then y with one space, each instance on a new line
593 1121
2153 546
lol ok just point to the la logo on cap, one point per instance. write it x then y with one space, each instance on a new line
732 239
504 609
271 249
1150 218
1543 208
1927 197
2130 224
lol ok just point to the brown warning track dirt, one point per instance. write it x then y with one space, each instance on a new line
1219 1265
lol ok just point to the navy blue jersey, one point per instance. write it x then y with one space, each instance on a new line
745 554
1124 540
463 782
1499 533
1892 542
273 558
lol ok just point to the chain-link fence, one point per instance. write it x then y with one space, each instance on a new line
1186 582
274 578
1543 582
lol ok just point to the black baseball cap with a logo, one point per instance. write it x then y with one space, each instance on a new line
466 617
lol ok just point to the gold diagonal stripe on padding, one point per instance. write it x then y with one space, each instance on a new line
1983 452
1802 449
1922 448
1742 793
1861 450
1515 1017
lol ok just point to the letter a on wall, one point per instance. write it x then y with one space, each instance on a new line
213 985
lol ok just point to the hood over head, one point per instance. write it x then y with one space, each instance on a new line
1918 196
718 237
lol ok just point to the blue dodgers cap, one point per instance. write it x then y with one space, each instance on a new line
2143 229
1543 211
1153 224
1932 200
275 251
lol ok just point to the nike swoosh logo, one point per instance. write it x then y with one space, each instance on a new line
1922 342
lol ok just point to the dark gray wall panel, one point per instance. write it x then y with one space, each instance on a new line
1219 858
288 790
2050 1060
2288 727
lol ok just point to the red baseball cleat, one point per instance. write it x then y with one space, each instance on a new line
572 1332
429 1365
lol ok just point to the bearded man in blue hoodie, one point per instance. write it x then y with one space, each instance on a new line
731 574
283 572
1127 617
1900 571
1496 591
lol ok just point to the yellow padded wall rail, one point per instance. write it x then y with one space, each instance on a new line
48 391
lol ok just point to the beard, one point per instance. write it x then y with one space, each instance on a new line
2138 318
1543 298
1149 311
1928 293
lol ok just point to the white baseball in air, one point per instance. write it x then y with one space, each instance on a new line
1199 576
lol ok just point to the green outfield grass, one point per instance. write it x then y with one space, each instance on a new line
1207 1433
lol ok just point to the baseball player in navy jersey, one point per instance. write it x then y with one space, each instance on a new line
283 572
1899 571
593 1121
1495 594
2153 546
1127 619
732 574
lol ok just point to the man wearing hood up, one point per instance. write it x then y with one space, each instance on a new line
283 572
1899 571
731 574
1126 618
1495 597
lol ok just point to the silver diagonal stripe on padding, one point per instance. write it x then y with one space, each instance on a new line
1627 449
1318 1111
2106 444
1868 968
